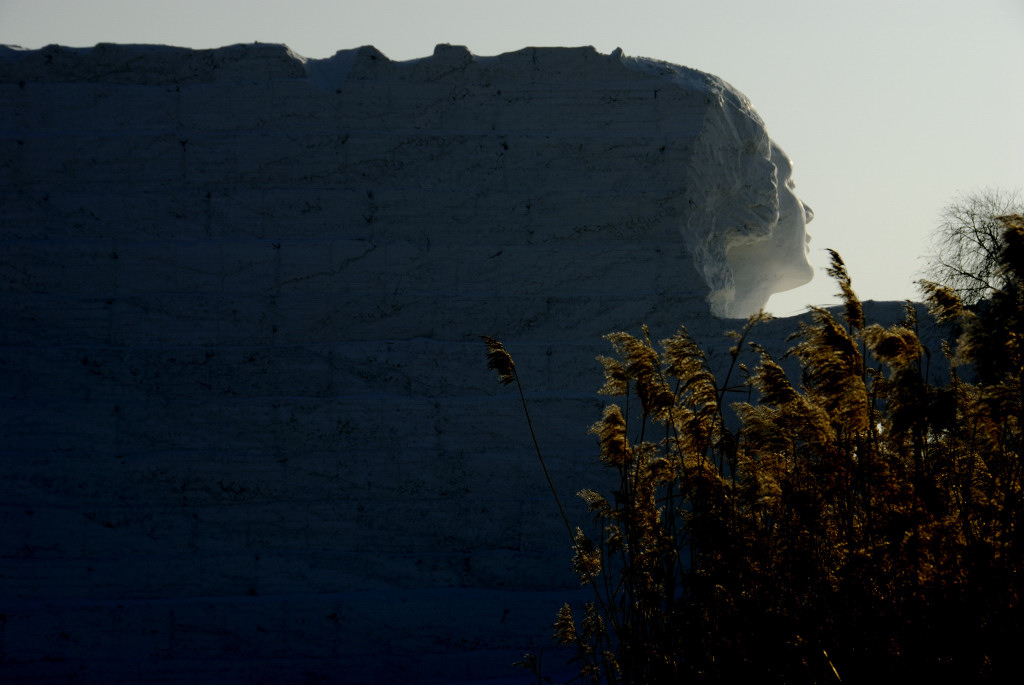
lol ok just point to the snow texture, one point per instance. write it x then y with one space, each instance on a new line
248 434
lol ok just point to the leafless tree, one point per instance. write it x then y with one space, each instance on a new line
968 241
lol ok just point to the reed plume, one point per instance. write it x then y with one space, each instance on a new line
853 520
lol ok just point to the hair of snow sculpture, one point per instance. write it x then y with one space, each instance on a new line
746 227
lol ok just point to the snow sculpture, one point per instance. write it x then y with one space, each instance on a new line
242 294
532 146
746 226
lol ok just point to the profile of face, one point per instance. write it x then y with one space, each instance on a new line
780 261
745 226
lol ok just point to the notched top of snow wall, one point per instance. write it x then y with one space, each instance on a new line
148 64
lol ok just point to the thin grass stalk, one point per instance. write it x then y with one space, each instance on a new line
540 457
501 361
591 580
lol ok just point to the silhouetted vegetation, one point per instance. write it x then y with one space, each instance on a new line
968 243
861 524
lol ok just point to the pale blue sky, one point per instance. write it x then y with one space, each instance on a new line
889 108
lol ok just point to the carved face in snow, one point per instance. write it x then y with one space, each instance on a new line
779 262
790 237
746 225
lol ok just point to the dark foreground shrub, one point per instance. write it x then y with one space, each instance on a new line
861 525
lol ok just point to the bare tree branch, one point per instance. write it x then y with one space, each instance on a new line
968 242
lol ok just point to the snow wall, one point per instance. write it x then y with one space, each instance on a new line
248 434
